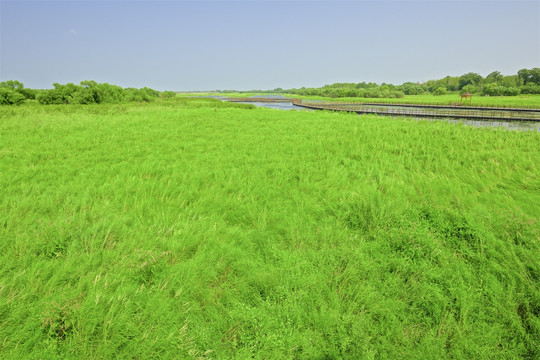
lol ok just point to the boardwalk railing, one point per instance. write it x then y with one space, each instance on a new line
432 111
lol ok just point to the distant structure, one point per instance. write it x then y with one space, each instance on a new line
466 96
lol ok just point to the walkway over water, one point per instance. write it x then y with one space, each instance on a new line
431 111
409 110
260 99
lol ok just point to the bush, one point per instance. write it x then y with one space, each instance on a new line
84 96
168 94
439 91
511 91
110 93
497 90
493 90
132 94
28 93
150 92
471 89
398 94
411 89
530 89
49 97
10 97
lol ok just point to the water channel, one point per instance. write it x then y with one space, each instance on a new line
509 125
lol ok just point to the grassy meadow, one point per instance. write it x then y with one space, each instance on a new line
191 228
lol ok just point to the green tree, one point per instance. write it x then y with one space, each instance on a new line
511 81
12 84
531 76
494 77
470 79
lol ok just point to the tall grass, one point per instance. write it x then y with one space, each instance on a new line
188 229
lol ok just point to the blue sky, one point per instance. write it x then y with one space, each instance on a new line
205 45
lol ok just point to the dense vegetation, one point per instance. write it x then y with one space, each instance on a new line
495 84
526 81
13 92
192 228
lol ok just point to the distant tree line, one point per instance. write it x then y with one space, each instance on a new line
13 92
526 81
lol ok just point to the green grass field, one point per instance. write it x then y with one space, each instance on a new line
201 229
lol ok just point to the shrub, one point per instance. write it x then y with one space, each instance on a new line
150 92
497 90
132 94
83 96
530 89
10 97
49 97
411 89
398 94
110 93
471 89
439 91
493 90
168 94
28 93
511 91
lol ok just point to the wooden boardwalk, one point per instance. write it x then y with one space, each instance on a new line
430 111
259 99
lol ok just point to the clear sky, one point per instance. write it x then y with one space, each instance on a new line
206 45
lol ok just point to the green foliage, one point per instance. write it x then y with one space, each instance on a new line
530 89
469 89
511 81
49 97
18 87
91 92
411 89
28 93
439 91
133 94
110 94
352 90
530 76
84 96
493 89
191 228
494 77
511 91
150 93
12 84
471 79
10 97
498 90
167 94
